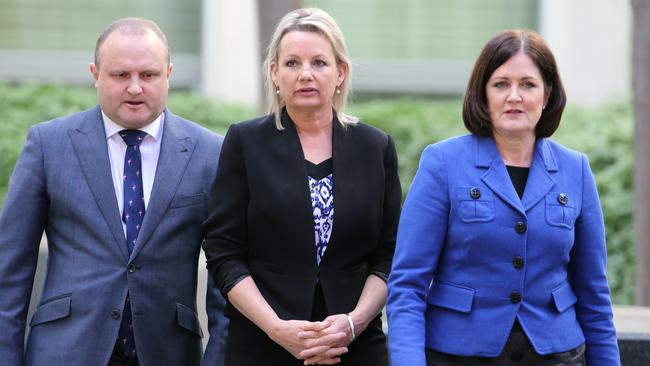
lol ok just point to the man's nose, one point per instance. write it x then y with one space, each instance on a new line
134 86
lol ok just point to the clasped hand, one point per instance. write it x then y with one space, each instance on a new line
321 342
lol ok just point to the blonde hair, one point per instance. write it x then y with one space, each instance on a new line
309 20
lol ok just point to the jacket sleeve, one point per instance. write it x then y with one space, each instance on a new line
226 243
382 258
420 239
214 302
588 275
22 221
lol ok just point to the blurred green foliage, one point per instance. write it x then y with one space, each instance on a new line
25 105
604 134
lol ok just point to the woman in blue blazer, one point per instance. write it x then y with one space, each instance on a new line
500 255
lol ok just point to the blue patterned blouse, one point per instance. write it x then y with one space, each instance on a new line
322 201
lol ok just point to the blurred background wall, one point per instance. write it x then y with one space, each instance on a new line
414 47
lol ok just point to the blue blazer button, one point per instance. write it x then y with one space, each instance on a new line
475 193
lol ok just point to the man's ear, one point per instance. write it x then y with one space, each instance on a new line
169 70
94 71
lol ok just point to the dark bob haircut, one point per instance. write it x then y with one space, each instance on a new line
496 52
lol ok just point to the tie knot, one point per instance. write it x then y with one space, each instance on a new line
132 137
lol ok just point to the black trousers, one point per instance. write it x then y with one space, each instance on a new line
517 352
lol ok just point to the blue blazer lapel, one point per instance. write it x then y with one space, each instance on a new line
89 143
497 178
176 149
539 181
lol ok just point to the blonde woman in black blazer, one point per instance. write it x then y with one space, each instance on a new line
302 231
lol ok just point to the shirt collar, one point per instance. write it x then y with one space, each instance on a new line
153 129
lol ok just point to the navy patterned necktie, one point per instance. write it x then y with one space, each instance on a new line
132 216
133 211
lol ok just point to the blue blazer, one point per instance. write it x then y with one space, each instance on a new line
471 256
62 185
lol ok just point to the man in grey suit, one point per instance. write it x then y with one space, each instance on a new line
121 193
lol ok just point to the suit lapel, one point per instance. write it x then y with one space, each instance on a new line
539 181
496 177
343 184
176 148
295 171
89 143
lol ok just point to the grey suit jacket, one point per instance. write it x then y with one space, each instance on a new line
62 185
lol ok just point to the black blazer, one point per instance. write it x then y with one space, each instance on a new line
261 221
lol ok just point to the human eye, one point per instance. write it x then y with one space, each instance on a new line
529 84
320 63
119 74
290 63
499 84
148 75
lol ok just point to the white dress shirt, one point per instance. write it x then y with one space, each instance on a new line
149 151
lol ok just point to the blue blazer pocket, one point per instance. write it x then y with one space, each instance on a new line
52 309
477 208
188 319
451 296
563 297
191 200
561 209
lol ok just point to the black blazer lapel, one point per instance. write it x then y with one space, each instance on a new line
343 169
294 171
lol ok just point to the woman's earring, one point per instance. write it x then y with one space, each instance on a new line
338 90
544 107
277 90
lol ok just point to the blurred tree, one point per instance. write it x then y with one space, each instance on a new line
641 83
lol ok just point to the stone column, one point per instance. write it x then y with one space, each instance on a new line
230 58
